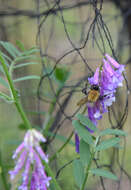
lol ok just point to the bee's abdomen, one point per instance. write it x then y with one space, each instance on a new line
93 95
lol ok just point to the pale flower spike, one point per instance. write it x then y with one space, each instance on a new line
30 160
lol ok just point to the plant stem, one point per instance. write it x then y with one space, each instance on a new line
15 95
3 176
87 172
62 147
49 171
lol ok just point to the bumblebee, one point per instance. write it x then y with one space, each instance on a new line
91 96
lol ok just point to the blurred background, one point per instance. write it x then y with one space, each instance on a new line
73 36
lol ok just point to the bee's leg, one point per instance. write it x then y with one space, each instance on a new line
84 90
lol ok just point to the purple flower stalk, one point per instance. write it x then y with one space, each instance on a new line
30 156
108 78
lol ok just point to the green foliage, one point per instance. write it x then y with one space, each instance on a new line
108 143
78 171
6 97
85 154
89 145
20 45
25 64
14 59
86 122
4 83
52 186
103 173
11 49
61 74
22 126
82 132
112 132
27 78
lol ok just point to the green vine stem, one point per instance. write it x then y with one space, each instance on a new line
49 171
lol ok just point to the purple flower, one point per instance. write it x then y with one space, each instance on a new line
108 78
77 142
30 159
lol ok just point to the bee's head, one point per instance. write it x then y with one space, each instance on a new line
94 87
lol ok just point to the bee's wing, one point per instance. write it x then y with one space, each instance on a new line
82 101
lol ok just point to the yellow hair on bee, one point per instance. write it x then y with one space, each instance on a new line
93 95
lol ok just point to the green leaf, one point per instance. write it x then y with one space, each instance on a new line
3 59
52 186
103 173
30 51
107 143
22 126
112 132
82 132
6 97
7 58
78 171
85 154
12 50
4 83
24 64
61 74
20 45
1 69
86 121
27 78
25 57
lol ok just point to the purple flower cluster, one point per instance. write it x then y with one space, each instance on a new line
30 156
108 78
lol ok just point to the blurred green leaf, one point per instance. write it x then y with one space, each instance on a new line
61 74
1 69
108 143
30 51
103 173
20 45
4 83
82 132
25 57
85 154
6 97
86 121
112 132
78 171
11 49
52 186
22 126
7 58
25 64
27 78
